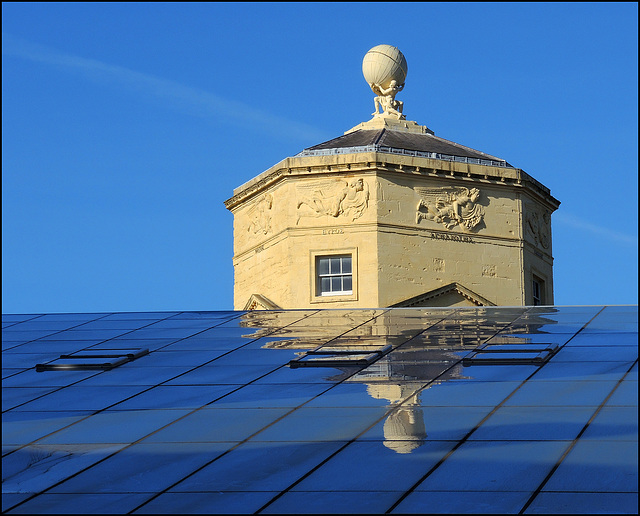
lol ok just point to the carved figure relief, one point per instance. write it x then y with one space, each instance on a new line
450 206
348 199
538 227
260 215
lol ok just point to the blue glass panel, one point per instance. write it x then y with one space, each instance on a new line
40 325
604 339
25 335
20 428
38 467
336 284
584 503
360 395
78 334
59 347
219 316
346 265
175 397
12 318
179 358
250 467
461 502
141 315
114 426
210 344
71 317
614 319
449 394
482 466
217 424
12 360
213 502
577 371
200 324
307 375
253 356
212 375
561 393
625 394
113 324
358 467
496 373
31 378
597 354
534 423
144 467
14 396
614 424
272 395
77 503
322 424
347 284
132 374
161 333
11 499
598 466
420 424
82 397
322 502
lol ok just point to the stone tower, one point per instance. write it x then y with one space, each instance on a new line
389 214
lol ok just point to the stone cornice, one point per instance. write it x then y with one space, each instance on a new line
390 163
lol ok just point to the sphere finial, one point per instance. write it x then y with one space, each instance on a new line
385 70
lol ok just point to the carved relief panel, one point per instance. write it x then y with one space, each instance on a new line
259 215
335 199
452 207
537 226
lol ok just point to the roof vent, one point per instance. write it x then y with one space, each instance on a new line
86 360
511 354
336 357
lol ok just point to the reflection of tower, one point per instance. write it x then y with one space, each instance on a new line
404 429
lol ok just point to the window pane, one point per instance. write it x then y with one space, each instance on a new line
323 266
346 265
325 285
346 283
336 284
335 266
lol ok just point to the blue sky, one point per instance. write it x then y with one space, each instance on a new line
126 126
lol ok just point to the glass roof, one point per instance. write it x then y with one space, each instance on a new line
405 410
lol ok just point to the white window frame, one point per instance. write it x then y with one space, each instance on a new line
332 274
317 296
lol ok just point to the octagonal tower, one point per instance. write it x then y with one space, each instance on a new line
389 214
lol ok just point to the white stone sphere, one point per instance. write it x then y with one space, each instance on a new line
383 64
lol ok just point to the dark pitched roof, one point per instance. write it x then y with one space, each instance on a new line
403 140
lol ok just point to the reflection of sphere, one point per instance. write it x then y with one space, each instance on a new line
404 430
384 63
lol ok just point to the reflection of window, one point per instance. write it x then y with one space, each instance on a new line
334 275
538 291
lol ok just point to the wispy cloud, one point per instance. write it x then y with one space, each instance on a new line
194 101
578 223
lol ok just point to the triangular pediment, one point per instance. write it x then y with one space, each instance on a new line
452 294
259 302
